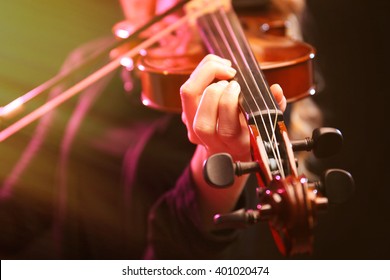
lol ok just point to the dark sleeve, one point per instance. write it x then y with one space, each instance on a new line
175 231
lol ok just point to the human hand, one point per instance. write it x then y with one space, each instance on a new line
211 109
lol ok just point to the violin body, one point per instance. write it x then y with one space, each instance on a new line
162 76
284 61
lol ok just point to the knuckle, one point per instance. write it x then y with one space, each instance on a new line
213 88
193 138
227 102
186 90
210 90
209 57
203 129
212 65
184 118
229 134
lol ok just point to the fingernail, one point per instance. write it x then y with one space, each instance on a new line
234 86
231 71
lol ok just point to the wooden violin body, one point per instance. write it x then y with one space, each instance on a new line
284 61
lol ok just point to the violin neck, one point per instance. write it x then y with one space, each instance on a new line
223 35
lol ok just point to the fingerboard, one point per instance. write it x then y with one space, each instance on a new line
223 35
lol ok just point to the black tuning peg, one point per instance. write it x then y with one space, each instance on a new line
325 141
243 217
337 185
238 218
219 170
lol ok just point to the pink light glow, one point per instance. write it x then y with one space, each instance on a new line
146 102
143 52
303 180
122 33
127 62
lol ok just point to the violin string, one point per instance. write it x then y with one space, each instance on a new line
241 38
216 47
240 35
273 142
234 42
233 59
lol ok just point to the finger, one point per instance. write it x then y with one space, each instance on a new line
229 126
232 126
205 120
210 68
214 58
277 91
191 91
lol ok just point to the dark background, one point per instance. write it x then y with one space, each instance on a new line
350 38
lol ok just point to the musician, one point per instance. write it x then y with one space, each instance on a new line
132 187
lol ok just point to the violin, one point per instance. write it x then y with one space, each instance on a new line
162 72
286 199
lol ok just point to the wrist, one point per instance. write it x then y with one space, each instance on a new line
213 200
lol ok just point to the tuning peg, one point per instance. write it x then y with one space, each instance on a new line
337 185
325 141
238 218
219 170
242 217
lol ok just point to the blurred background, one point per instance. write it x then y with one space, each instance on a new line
350 38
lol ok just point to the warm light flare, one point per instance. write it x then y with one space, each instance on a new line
11 109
